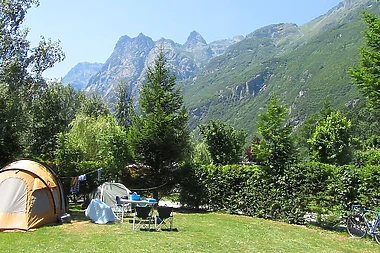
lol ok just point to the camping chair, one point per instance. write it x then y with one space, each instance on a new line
121 208
164 218
142 217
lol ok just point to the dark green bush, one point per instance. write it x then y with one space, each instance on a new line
323 189
370 184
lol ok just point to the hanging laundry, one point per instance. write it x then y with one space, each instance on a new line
82 177
74 185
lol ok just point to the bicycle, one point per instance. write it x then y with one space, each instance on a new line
363 221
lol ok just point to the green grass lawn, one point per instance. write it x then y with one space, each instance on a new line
196 232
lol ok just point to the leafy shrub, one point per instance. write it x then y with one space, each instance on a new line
370 184
324 189
368 157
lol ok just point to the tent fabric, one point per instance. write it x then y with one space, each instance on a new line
31 196
108 191
14 195
99 212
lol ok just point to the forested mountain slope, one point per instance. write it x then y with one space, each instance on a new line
303 68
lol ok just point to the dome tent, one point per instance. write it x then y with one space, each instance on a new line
107 193
31 196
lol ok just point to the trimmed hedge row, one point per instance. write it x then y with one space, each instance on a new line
303 188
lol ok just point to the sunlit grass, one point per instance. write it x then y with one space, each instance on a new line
195 232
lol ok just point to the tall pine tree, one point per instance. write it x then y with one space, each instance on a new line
159 135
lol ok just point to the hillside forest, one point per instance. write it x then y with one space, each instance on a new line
321 166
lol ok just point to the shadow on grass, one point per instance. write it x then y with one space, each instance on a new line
168 230
77 213
326 226
190 210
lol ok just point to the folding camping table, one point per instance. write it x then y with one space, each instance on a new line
137 202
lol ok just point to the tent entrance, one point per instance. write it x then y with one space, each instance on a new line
13 199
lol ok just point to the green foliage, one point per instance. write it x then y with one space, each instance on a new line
124 111
235 86
276 145
93 105
52 112
313 187
159 136
347 186
370 184
253 190
367 74
92 143
21 82
224 143
307 130
303 133
201 154
367 157
331 140
9 126
364 123
373 142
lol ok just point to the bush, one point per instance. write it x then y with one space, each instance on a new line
319 188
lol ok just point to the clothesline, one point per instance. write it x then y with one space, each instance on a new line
151 188
87 173
75 180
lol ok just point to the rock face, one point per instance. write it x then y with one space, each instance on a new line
131 57
80 74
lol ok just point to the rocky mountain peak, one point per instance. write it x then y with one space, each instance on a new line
81 73
194 40
142 37
122 41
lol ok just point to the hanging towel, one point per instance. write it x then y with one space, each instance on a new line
74 185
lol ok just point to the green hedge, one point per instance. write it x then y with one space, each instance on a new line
302 188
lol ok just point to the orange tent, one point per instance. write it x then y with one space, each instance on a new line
31 196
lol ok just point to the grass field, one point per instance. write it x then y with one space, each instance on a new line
195 232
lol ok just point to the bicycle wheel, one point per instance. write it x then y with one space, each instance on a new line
356 226
377 232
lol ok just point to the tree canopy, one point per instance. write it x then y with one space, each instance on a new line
276 145
21 82
224 143
331 140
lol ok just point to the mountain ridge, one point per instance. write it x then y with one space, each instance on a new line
131 57
231 79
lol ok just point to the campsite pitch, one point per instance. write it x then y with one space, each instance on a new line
195 232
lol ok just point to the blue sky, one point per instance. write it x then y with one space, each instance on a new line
88 29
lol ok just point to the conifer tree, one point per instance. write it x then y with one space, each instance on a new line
367 74
159 135
124 111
